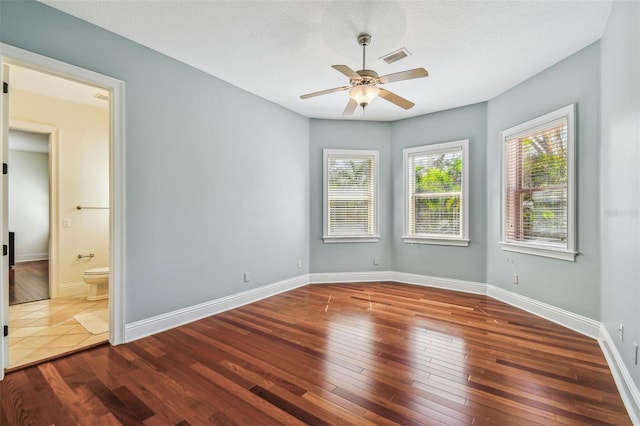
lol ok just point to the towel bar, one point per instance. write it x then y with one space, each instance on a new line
91 208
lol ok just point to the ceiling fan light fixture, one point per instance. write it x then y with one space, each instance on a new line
364 94
363 83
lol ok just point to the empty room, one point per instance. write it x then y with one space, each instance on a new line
321 212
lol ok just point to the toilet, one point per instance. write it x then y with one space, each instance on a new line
98 280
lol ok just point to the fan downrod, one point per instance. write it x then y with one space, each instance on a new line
363 40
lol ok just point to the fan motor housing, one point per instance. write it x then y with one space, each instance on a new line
368 77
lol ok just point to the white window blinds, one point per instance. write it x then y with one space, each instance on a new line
536 186
436 189
538 180
350 187
435 193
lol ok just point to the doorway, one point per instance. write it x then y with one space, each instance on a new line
68 319
70 257
29 217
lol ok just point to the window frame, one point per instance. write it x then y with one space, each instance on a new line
539 248
349 154
463 240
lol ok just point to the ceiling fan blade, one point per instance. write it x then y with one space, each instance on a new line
351 107
324 92
403 75
395 99
347 71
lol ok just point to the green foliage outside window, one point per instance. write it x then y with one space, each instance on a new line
442 175
437 194
350 174
544 183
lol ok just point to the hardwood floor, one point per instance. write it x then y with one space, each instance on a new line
29 281
369 353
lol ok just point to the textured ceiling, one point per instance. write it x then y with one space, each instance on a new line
279 50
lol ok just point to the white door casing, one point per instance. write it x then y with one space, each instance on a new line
54 191
4 222
12 55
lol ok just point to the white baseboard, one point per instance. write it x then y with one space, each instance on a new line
349 277
576 322
626 386
31 257
587 326
72 289
159 323
579 323
438 282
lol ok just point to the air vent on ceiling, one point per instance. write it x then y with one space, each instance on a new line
101 96
395 56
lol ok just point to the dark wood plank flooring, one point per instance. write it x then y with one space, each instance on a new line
29 281
366 353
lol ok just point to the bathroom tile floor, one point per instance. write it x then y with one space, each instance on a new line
46 328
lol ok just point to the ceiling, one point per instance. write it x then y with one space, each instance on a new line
57 87
279 50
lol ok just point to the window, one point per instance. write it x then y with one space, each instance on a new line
350 202
436 200
538 201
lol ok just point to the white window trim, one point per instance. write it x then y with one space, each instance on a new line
462 241
349 153
539 249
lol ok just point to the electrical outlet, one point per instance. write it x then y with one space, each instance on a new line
621 332
299 264
247 277
515 279
376 261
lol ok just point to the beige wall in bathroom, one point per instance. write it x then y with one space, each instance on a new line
83 176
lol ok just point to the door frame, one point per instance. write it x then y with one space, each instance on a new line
117 227
54 190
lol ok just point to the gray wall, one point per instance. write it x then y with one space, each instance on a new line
196 222
620 179
573 286
217 179
349 257
465 263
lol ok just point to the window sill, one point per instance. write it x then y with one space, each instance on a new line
460 242
352 239
540 251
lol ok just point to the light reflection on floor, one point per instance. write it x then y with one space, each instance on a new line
46 328
432 360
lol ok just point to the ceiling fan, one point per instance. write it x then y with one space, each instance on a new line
364 83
